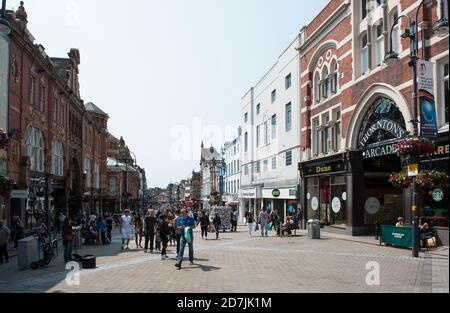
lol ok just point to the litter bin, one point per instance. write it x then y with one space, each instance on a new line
314 229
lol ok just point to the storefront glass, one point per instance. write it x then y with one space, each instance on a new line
338 200
312 198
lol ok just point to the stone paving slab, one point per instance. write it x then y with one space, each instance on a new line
238 263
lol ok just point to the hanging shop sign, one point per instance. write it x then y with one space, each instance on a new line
438 195
428 117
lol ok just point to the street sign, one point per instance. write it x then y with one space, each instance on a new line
413 170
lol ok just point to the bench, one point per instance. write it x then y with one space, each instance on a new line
290 227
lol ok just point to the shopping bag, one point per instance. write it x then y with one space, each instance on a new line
256 227
188 234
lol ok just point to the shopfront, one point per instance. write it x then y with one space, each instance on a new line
325 191
283 200
251 199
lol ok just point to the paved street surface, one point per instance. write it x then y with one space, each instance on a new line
239 264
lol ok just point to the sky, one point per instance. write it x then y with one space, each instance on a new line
169 73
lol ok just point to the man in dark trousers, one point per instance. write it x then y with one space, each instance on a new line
217 224
204 223
178 231
150 225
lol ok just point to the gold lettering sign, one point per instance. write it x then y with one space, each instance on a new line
324 169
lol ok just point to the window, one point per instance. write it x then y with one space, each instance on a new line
364 54
257 136
246 170
328 136
258 109
55 109
274 96
289 158
63 112
266 133
444 92
265 165
317 137
112 185
334 77
274 162
246 142
42 98
87 171
238 184
317 87
326 82
58 158
395 32
97 175
257 167
337 131
288 117
379 55
443 9
274 127
363 9
245 117
288 81
31 91
238 169
35 149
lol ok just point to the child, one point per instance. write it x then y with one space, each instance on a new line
157 239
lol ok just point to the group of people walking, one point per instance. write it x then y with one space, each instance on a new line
159 228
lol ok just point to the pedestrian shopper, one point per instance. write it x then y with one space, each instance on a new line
157 237
62 219
178 231
125 229
204 224
217 224
101 226
138 225
17 230
263 219
164 235
400 222
149 226
187 225
4 238
234 220
94 233
172 238
109 226
275 220
249 219
67 236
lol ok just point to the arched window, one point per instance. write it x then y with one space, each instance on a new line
317 87
112 185
364 54
334 77
326 82
35 149
58 158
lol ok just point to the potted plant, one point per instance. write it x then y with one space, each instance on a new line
5 186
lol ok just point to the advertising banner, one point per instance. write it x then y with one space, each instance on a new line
427 103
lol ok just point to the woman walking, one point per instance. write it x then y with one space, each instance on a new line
67 239
217 224
125 229
138 225
249 218
204 224
164 234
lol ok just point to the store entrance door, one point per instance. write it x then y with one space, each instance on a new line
325 213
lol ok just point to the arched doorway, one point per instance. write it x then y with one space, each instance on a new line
382 127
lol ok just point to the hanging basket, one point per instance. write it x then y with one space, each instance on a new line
400 180
414 146
4 139
432 178
5 187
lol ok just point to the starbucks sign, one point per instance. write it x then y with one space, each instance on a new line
438 194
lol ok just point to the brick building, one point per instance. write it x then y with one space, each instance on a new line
346 89
53 134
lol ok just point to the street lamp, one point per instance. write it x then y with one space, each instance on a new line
440 29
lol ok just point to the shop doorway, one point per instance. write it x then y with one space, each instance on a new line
325 214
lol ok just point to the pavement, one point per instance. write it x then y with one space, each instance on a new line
238 263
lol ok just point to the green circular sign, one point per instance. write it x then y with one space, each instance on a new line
438 194
276 193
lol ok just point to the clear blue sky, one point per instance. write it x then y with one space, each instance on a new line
161 67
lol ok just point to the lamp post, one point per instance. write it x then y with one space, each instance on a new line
412 33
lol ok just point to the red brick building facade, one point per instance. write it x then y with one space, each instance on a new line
345 88
53 134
